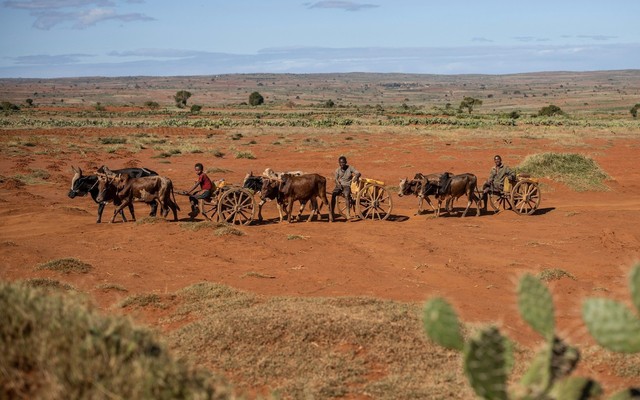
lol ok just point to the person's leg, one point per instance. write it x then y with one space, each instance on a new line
336 192
202 197
347 195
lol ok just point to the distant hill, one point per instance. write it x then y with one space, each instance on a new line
600 91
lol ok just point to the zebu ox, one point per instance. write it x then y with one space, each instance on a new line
451 187
421 186
270 191
81 185
147 189
301 188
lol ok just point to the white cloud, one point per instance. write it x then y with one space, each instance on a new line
344 5
54 4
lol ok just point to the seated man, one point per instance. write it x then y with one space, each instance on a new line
206 188
344 175
495 182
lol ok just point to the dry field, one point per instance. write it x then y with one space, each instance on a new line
320 310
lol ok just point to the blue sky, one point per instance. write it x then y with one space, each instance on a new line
64 38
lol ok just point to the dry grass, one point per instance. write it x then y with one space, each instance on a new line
66 266
144 300
108 287
577 171
219 228
554 274
46 283
55 347
316 348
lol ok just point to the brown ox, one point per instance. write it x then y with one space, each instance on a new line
421 186
304 188
146 189
268 185
451 187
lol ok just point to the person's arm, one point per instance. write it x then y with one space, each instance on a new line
193 188
356 174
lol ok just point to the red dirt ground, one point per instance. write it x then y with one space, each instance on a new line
473 261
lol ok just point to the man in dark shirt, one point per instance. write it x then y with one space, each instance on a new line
495 182
206 188
344 175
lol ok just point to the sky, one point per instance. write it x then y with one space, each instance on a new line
73 38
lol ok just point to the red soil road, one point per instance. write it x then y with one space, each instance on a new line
474 261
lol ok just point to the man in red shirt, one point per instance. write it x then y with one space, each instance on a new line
206 187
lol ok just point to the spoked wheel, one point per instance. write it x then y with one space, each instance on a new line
525 197
374 202
236 206
341 206
499 201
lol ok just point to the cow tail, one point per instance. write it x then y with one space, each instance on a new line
174 199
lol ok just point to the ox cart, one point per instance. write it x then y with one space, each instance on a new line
521 194
369 200
229 203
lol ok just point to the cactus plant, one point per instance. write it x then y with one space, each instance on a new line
487 354
611 323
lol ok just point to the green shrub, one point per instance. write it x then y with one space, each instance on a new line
550 111
196 108
256 99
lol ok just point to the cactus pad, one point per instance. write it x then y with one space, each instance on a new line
485 364
536 305
612 325
441 324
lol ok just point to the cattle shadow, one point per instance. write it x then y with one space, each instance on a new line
543 211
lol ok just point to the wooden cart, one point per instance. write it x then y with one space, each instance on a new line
369 200
521 195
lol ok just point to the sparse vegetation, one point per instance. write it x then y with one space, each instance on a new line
245 154
66 266
554 274
153 105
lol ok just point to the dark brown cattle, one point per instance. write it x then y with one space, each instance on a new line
146 189
304 188
451 187
421 186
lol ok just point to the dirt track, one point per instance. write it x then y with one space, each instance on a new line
474 261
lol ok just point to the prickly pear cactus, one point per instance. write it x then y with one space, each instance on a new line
441 324
611 323
634 284
536 305
485 361
576 388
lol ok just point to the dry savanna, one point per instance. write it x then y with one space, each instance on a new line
158 308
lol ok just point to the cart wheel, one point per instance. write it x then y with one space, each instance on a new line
499 201
236 206
341 206
525 197
374 202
